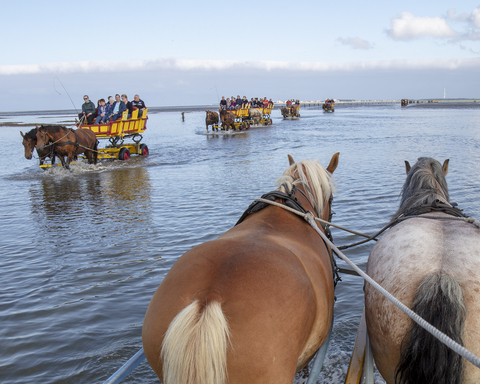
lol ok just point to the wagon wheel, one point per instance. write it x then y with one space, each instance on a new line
143 150
124 154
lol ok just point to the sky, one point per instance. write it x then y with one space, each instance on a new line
192 53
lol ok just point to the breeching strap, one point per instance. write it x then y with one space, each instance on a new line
462 351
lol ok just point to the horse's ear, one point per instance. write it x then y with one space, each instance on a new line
290 160
333 163
445 167
21 133
407 166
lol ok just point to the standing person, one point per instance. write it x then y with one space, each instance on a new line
88 110
118 108
139 104
101 111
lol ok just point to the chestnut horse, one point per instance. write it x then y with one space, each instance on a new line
30 141
66 142
431 263
210 119
227 118
254 305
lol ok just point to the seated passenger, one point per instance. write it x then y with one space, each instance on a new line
139 104
108 109
244 101
223 103
128 104
239 102
233 104
88 111
228 104
118 108
101 111
265 102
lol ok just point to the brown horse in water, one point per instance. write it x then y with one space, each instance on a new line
66 142
254 305
432 265
227 118
30 141
210 119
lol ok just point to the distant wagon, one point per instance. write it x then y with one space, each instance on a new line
244 118
329 105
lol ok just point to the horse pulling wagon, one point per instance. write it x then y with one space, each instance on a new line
57 141
329 105
239 119
291 111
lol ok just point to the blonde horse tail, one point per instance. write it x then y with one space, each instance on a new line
194 349
424 359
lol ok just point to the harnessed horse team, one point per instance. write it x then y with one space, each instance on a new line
254 305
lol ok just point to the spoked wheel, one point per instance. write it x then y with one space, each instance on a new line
124 154
143 150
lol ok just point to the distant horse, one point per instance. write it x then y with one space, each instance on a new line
30 141
433 267
227 118
254 305
255 115
284 111
211 119
66 142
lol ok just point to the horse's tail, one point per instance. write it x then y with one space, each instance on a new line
425 359
194 349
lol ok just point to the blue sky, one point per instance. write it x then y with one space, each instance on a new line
184 53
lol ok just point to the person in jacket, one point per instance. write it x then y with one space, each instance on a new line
139 104
100 111
88 110
108 109
128 104
118 108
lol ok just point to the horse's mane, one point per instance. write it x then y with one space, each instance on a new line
313 175
32 134
54 128
422 185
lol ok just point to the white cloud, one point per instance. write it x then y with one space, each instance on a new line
355 42
472 19
406 26
96 67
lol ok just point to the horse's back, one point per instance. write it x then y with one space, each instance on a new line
402 259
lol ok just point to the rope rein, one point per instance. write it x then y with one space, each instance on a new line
462 351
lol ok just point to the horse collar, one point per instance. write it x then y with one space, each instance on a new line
289 200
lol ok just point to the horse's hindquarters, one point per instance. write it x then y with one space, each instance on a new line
273 312
404 262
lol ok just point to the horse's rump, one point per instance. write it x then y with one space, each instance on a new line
424 359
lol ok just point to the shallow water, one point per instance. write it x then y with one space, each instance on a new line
83 251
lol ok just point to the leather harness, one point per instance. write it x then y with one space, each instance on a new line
291 201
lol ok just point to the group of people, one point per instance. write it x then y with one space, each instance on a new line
111 111
292 102
232 103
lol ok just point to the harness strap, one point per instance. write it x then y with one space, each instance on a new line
290 201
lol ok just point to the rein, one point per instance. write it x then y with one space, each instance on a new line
462 351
